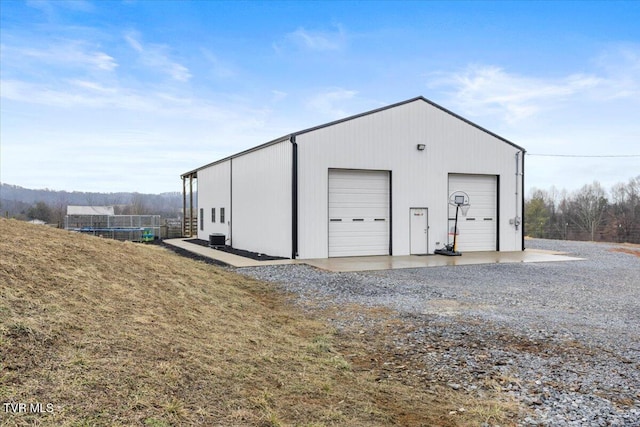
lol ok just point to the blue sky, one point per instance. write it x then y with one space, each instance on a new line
127 95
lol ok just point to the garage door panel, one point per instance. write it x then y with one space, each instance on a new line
358 212
341 228
352 202
478 230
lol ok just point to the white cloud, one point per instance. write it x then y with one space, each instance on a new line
78 93
219 68
65 53
621 65
329 103
155 56
319 41
82 95
133 42
93 86
103 61
99 129
481 90
49 7
590 112
278 95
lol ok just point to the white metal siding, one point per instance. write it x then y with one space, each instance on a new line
261 199
214 192
358 212
386 140
477 231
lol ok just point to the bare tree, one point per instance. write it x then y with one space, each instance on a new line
588 208
624 213
562 217
59 209
138 204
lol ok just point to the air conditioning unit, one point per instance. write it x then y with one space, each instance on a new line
216 239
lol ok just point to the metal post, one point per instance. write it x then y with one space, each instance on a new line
184 206
455 231
191 205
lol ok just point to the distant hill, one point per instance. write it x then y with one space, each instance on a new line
15 201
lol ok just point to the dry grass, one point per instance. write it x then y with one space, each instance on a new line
120 334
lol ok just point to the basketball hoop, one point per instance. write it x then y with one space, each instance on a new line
460 200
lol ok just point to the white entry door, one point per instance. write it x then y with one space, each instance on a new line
359 208
419 231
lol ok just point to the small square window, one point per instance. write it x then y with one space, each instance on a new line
213 214
222 215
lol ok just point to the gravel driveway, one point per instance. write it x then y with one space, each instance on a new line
562 338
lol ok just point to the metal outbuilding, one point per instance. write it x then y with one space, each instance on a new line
90 210
377 183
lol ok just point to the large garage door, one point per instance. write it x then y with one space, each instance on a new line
478 230
358 212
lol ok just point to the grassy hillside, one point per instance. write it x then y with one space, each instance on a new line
102 332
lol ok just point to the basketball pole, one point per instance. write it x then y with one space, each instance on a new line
455 230
459 199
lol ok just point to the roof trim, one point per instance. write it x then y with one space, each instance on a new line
346 119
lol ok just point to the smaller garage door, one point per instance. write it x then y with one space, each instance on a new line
478 230
358 212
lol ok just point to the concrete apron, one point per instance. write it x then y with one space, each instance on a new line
414 261
369 263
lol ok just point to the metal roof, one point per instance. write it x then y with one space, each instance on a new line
90 210
335 122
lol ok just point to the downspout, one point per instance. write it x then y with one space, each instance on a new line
230 202
516 219
294 198
522 200
390 213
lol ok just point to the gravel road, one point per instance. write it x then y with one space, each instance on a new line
562 338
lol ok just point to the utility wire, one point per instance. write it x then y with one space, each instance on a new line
582 155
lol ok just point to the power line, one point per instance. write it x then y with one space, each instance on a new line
583 155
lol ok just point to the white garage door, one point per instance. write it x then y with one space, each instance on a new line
478 230
358 212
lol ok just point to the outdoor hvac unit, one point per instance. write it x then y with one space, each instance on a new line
216 239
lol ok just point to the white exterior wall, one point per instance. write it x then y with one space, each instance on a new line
261 200
387 140
214 181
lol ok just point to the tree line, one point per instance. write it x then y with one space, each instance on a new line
51 206
590 213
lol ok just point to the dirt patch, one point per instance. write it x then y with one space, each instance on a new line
630 251
449 307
